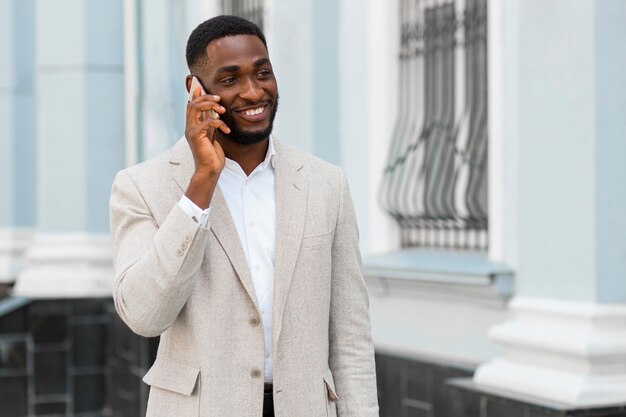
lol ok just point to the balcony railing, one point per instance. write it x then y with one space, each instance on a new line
435 180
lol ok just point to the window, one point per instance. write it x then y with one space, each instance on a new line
435 180
248 9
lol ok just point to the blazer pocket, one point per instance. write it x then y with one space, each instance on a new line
314 241
173 388
172 375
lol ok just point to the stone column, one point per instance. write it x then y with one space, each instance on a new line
79 119
564 95
17 135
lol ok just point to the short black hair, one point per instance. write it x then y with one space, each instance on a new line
215 28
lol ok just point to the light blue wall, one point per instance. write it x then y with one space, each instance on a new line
291 54
7 38
104 90
326 141
610 78
304 51
354 101
80 112
571 130
24 133
17 137
105 147
556 149
163 32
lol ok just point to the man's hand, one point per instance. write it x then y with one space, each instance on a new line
208 155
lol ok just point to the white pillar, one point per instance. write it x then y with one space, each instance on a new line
563 128
80 146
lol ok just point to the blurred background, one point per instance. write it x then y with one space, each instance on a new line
485 146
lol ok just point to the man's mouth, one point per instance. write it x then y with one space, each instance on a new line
253 113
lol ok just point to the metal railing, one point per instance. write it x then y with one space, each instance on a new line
435 180
248 9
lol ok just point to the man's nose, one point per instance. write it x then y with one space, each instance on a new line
251 90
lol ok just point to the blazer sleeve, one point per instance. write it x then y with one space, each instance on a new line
351 354
155 266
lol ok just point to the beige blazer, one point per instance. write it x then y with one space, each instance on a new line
192 287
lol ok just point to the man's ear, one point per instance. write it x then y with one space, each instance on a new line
188 82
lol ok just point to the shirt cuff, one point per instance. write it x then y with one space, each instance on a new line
194 212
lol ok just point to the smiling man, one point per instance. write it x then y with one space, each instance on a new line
241 252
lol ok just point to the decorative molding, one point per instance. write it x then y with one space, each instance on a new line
570 352
68 265
13 243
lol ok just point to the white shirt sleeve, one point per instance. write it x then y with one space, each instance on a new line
196 213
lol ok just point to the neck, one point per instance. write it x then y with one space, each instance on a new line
247 156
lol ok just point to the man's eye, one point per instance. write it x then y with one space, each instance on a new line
228 80
265 73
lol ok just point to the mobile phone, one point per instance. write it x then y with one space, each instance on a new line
195 83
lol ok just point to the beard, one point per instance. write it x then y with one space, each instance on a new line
242 137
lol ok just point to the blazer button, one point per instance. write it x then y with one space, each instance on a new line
180 252
255 373
254 322
187 238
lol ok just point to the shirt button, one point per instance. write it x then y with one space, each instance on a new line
254 322
255 373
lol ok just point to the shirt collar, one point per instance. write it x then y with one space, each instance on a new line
270 157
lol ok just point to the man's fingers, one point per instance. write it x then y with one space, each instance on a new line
208 105
216 124
199 105
204 127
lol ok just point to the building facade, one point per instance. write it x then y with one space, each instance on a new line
485 147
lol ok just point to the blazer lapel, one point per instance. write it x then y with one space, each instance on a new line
223 227
291 195
220 220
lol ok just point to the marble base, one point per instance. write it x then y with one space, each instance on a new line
13 243
67 266
573 353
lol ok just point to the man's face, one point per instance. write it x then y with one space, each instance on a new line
240 72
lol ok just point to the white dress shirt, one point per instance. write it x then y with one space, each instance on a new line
252 206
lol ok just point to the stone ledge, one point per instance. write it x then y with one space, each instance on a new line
467 274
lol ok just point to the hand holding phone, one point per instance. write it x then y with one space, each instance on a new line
195 85
202 121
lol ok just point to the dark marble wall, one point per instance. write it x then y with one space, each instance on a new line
414 388
76 358
410 388
131 357
71 358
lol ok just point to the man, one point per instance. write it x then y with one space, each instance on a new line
241 252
